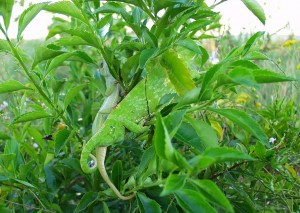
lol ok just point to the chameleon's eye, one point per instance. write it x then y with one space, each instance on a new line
91 163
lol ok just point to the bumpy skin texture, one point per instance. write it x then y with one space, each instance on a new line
130 114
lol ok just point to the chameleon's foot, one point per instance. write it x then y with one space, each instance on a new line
100 155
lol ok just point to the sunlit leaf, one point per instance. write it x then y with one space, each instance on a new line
31 116
11 86
6 10
256 9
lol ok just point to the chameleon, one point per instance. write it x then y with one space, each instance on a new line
131 113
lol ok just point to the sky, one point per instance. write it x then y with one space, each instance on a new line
282 16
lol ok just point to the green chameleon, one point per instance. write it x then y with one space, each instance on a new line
131 113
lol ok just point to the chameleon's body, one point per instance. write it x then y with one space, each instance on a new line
130 114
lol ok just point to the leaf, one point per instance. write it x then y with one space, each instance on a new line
166 3
191 200
61 139
146 55
242 76
105 208
187 134
59 60
44 53
146 158
4 46
147 205
173 183
266 76
213 194
222 154
200 162
31 116
87 199
90 38
71 41
66 8
245 121
29 14
173 121
163 145
190 44
4 136
178 73
72 93
256 9
254 55
251 41
11 86
117 174
205 132
25 183
6 10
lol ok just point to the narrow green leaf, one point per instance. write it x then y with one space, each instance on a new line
11 86
190 44
61 139
4 46
146 55
200 162
245 121
222 154
205 132
251 41
31 116
72 93
167 3
192 201
6 7
91 39
44 53
117 174
4 136
187 134
266 76
150 38
29 14
213 194
87 199
105 208
66 8
254 55
71 41
178 73
173 121
163 145
242 76
147 205
256 9
25 183
173 183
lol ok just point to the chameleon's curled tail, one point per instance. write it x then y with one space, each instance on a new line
100 156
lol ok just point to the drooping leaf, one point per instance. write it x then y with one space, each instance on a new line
11 86
213 194
146 55
31 116
117 174
163 145
147 205
87 199
192 201
29 14
44 53
6 7
256 9
61 139
187 134
251 41
266 76
178 73
4 46
173 183
190 44
222 154
66 8
72 93
205 132
255 55
245 121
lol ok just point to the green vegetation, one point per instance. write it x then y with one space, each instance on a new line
184 133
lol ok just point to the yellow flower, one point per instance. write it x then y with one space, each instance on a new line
257 104
298 66
289 43
243 98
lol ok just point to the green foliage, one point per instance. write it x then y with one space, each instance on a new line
207 145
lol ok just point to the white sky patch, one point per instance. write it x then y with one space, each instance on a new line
279 13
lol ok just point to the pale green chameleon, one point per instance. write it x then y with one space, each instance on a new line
131 114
